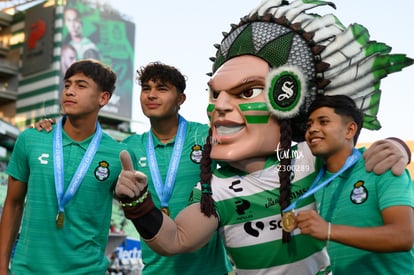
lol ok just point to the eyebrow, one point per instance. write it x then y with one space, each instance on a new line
77 81
244 83
318 117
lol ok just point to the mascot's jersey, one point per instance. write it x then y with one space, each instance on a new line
250 220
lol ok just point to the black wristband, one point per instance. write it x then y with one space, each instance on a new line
149 224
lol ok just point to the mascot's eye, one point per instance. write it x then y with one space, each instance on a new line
214 94
251 93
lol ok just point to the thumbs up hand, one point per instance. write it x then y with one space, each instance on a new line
131 183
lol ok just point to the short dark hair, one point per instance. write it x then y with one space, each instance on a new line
343 105
157 71
102 74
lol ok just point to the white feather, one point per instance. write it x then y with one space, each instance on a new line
353 73
346 38
264 5
298 6
326 33
341 61
302 18
350 88
320 22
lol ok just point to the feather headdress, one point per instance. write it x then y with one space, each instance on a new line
311 55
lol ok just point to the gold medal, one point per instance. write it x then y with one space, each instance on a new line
165 210
288 221
60 219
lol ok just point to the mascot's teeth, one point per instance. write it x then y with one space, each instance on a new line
226 130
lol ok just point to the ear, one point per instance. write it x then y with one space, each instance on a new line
181 98
351 130
104 98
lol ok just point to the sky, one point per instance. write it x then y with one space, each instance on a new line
182 33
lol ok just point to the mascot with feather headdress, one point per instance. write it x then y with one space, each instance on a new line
267 71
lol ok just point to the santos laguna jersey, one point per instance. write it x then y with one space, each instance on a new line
367 194
250 220
78 247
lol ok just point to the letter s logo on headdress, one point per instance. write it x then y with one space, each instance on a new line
285 91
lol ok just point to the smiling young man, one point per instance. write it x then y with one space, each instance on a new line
367 219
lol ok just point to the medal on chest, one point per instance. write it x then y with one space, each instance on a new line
165 210
60 219
288 221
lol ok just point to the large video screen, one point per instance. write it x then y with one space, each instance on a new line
98 31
